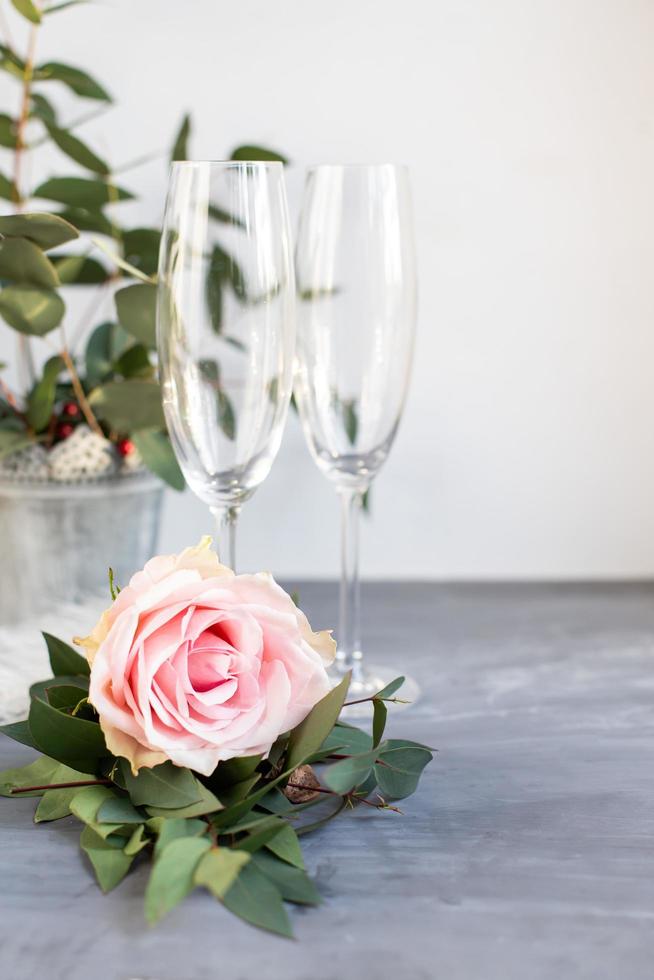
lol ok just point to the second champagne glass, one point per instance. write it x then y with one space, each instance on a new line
356 281
226 329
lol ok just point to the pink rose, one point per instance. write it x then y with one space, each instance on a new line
195 664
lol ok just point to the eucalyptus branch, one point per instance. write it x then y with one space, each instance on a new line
82 782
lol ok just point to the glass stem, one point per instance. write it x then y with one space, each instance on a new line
226 518
349 655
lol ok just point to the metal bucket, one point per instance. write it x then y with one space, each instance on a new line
58 541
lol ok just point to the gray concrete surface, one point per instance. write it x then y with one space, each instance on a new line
527 854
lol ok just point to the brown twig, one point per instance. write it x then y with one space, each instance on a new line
87 411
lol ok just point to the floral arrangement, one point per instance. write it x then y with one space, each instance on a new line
94 411
189 733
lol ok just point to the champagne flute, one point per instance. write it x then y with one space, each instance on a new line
356 280
226 329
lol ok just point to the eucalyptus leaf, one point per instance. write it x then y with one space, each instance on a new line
137 312
66 697
380 713
157 454
390 689
254 898
168 829
105 345
19 731
399 768
91 219
226 415
164 786
8 131
28 9
347 740
42 108
286 846
63 659
171 879
208 803
76 149
11 63
264 832
310 734
88 800
76 742
136 842
45 230
79 270
118 809
344 776
12 442
293 884
21 261
40 689
180 146
141 249
7 189
43 771
256 153
218 869
128 406
81 192
54 805
109 860
40 403
134 363
30 310
78 81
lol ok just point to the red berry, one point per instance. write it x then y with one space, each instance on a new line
64 429
125 447
71 409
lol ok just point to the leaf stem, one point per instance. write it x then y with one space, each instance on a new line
83 782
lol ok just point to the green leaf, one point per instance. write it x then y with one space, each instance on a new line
31 311
390 689
168 829
79 270
63 659
128 405
66 696
90 219
226 416
165 786
141 249
42 108
157 454
81 192
109 860
137 312
293 884
118 809
264 831
106 344
11 442
310 734
134 363
253 897
171 879
45 230
28 9
54 804
180 146
78 81
136 842
19 731
22 261
43 771
40 403
11 63
78 151
214 292
218 869
8 131
347 740
40 688
380 713
208 803
399 768
350 421
88 800
343 776
7 189
73 741
286 846
257 153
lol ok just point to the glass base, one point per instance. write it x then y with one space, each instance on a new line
373 678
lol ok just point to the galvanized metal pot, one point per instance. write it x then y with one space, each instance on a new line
58 541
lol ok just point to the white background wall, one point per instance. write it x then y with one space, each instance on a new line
527 448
